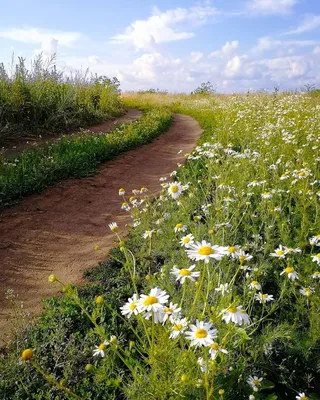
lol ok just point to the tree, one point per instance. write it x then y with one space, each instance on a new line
204 88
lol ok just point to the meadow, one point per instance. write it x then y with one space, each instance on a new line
214 294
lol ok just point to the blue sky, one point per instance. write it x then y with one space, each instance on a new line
174 45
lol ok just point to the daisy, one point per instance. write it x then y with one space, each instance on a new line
316 258
175 189
264 298
125 206
122 192
143 190
255 285
114 227
185 273
235 315
314 240
201 334
306 291
215 349
302 396
202 364
186 241
148 234
233 251
179 326
99 350
316 275
255 382
180 228
290 250
204 251
223 288
154 301
266 195
244 257
171 313
279 252
131 306
291 273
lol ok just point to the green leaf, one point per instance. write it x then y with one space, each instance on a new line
241 332
265 384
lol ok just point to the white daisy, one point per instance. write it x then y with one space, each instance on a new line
279 252
122 192
266 195
187 240
99 350
255 285
180 228
204 251
316 275
202 364
306 291
291 250
215 349
154 301
114 227
233 251
316 258
148 234
255 382
235 315
201 334
223 288
291 273
263 298
302 396
175 189
131 306
243 256
179 326
315 240
171 313
185 273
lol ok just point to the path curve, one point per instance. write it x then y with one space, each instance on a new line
56 231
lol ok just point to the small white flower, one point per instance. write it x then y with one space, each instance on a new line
266 195
180 228
179 326
291 250
148 234
205 251
114 227
202 364
131 306
302 396
99 350
255 285
291 273
201 334
316 275
187 240
223 288
263 298
306 291
185 273
215 349
171 313
255 382
243 257
154 301
175 189
316 258
233 251
235 315
279 252
122 192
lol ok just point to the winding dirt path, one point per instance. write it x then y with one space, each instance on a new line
56 231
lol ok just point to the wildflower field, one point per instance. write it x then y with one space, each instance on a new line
215 292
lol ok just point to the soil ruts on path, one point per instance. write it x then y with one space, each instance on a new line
56 231
14 147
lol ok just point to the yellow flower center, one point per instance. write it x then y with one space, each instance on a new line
150 300
132 198
228 198
242 259
318 236
215 346
174 189
256 382
132 306
102 346
185 272
301 174
304 398
263 296
179 226
289 270
317 273
186 240
266 193
143 189
279 252
201 333
168 309
308 292
318 255
232 249
232 309
254 283
27 355
177 327
205 250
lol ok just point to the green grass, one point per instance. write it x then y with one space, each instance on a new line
273 140
73 156
43 100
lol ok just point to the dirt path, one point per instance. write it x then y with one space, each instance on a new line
56 231
23 143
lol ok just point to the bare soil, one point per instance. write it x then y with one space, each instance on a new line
56 231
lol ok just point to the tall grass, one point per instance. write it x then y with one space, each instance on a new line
44 99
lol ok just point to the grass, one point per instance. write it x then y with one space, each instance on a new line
250 187
43 100
73 156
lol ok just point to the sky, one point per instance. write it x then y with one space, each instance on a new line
174 45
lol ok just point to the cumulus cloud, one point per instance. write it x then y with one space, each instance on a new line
227 50
195 56
164 27
267 43
309 23
271 6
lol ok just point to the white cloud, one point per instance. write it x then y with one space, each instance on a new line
267 43
228 49
271 6
309 23
164 27
195 56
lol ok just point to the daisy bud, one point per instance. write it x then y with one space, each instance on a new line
121 243
113 340
27 354
99 300
221 392
52 278
89 367
148 277
97 248
184 378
